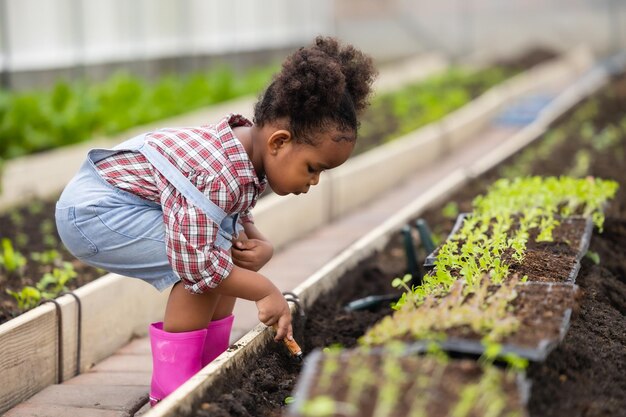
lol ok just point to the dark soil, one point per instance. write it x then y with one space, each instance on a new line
584 376
32 229
271 379
553 261
542 314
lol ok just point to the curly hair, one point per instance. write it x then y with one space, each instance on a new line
325 85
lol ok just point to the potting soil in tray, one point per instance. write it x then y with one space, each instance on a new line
526 319
544 312
545 261
393 383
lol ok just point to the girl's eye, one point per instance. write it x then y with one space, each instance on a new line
311 169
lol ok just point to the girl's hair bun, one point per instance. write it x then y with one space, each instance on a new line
322 82
309 82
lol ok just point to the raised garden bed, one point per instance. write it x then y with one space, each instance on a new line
582 376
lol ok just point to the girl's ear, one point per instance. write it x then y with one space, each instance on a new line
278 140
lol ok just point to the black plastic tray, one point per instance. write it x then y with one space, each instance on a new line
536 354
432 257
311 367
429 262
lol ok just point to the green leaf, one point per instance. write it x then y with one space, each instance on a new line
450 210
320 406
593 256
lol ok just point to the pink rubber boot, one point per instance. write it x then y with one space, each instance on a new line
176 357
217 338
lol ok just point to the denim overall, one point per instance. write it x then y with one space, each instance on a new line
115 230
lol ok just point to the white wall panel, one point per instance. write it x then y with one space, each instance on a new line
40 32
107 31
64 33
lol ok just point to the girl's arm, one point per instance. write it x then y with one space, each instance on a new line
251 250
271 304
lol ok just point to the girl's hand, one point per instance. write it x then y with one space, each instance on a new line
273 309
251 254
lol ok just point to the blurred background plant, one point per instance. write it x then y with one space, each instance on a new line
73 112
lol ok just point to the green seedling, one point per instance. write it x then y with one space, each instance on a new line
27 298
593 256
49 257
55 282
36 207
388 394
320 406
21 240
48 287
361 377
10 259
329 368
450 210
17 219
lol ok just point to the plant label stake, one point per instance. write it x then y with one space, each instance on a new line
373 301
411 257
409 249
425 235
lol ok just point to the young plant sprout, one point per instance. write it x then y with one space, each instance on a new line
496 233
10 259
485 311
48 287
407 384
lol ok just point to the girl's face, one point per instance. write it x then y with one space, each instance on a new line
292 168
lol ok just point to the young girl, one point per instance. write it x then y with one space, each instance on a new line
172 207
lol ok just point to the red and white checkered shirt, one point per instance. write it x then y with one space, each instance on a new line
214 160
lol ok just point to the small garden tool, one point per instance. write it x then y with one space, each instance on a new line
292 345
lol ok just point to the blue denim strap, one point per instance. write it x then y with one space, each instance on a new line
228 226
190 192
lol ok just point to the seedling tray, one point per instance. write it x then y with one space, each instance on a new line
429 262
429 383
551 318
583 245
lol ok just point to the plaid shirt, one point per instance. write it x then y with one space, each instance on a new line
214 160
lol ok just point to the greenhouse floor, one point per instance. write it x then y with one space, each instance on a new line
118 386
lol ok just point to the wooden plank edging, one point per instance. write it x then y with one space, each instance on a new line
115 309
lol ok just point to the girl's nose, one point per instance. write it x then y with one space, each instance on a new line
315 179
